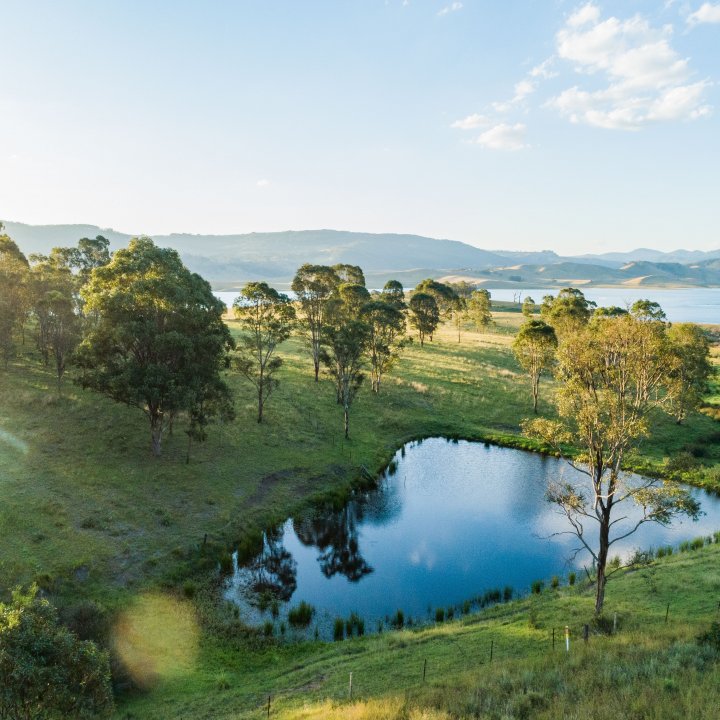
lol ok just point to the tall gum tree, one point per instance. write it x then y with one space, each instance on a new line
534 348
315 286
267 318
612 374
159 342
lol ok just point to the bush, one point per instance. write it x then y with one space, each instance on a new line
189 589
555 582
466 607
398 619
440 615
301 615
44 666
684 546
507 593
697 543
450 614
571 579
268 628
537 586
338 629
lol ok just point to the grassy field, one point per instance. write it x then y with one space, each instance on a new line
89 514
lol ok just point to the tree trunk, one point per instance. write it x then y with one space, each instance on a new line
602 562
156 431
535 391
260 406
346 421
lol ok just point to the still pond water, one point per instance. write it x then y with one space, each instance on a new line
455 520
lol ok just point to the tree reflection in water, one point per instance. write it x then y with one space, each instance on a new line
335 534
274 571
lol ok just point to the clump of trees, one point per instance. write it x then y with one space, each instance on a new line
46 670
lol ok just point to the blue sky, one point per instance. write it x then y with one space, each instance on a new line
523 124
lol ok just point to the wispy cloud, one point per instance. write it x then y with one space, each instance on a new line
471 122
706 13
263 183
504 137
452 7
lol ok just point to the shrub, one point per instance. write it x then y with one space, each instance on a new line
450 614
189 589
537 586
571 579
507 593
684 546
466 607
338 629
555 582
398 619
301 615
697 543
440 615
268 628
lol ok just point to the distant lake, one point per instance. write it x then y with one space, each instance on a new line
699 305
454 520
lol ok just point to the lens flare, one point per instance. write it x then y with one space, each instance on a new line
157 639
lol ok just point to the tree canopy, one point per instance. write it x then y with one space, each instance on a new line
160 342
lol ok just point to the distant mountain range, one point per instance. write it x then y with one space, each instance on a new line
228 261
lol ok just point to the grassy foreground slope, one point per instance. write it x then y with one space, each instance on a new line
649 669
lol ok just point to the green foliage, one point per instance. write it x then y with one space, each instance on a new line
46 671
424 315
160 343
338 629
314 286
568 312
534 348
537 586
267 318
479 308
386 325
394 294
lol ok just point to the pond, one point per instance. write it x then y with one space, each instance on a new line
454 520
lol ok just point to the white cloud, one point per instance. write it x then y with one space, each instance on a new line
263 183
543 70
706 13
503 137
589 13
522 90
471 122
452 7
644 79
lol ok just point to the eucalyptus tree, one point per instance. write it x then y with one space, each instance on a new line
568 312
345 341
459 313
479 308
534 348
690 368
394 294
528 307
353 296
267 318
160 342
386 338
14 294
352 274
444 294
424 315
611 374
648 311
315 286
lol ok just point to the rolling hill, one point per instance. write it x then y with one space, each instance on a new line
228 261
